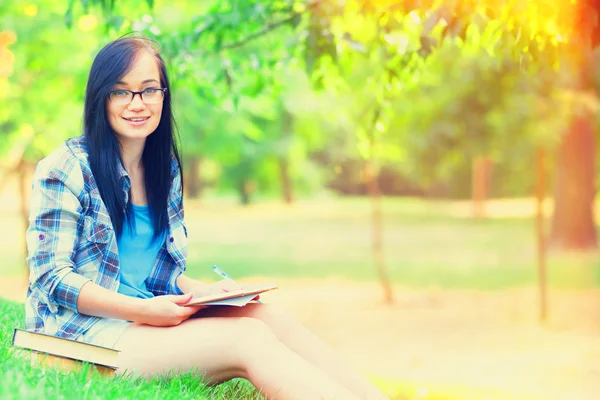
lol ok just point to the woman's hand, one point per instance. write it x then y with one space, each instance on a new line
166 310
225 285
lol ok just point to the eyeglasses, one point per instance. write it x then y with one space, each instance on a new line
149 96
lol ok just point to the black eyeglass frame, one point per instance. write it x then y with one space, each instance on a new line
164 90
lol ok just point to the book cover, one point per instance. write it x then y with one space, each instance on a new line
50 350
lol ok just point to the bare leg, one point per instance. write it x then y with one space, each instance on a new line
305 343
226 348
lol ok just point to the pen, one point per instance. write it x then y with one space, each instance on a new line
220 272
224 275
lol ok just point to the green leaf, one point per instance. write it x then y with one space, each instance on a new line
69 14
218 42
115 22
85 4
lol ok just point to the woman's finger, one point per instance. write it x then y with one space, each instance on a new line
181 299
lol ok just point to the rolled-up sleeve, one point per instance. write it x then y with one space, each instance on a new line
55 223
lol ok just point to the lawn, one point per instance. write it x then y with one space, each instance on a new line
21 381
18 380
427 243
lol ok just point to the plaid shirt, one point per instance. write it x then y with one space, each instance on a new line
71 241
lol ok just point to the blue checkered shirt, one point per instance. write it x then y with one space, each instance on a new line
71 240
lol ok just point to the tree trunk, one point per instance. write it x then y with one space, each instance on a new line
245 189
372 175
285 181
286 132
377 229
480 185
573 222
193 177
541 236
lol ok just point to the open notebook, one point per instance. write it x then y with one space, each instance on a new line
237 298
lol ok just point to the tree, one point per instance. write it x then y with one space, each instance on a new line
37 90
387 65
573 223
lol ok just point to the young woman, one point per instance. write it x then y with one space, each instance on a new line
107 249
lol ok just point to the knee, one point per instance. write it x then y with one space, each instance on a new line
278 319
255 329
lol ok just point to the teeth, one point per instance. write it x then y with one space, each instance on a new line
136 119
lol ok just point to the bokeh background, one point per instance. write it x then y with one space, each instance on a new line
418 176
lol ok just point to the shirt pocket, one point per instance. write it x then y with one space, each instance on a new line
95 248
96 231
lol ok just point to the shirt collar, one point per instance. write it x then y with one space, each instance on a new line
125 180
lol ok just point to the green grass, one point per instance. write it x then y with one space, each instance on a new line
426 244
19 380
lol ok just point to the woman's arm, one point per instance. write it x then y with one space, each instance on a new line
98 301
189 285
55 225
95 300
158 311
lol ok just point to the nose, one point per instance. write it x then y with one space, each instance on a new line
137 103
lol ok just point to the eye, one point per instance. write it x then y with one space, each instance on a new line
119 93
152 95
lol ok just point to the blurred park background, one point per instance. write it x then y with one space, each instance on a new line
418 175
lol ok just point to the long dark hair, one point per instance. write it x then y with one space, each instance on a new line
104 151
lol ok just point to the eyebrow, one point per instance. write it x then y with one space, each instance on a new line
143 82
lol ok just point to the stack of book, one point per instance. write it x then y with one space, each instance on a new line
66 354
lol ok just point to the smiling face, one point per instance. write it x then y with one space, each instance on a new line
136 121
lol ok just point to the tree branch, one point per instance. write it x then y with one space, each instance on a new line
270 27
260 33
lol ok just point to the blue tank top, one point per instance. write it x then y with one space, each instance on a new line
137 254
